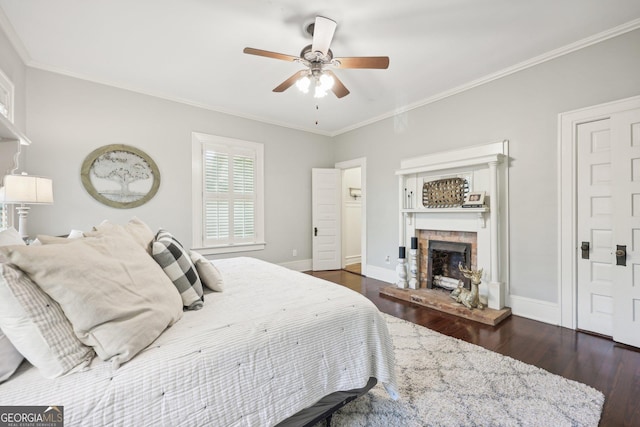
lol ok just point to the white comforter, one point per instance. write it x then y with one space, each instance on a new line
274 342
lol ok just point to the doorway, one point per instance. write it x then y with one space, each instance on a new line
351 219
354 219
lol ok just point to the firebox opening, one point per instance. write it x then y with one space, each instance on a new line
442 264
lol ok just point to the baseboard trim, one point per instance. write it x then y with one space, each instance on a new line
383 274
542 311
300 265
352 259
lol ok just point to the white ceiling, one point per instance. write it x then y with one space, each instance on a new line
191 50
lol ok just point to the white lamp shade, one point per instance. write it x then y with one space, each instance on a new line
26 189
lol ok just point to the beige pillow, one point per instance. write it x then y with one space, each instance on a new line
50 240
140 231
37 327
115 295
44 239
209 274
10 236
10 358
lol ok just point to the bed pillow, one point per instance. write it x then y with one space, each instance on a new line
116 297
209 274
37 327
10 236
44 239
136 228
177 264
10 358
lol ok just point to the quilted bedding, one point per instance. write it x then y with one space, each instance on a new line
274 342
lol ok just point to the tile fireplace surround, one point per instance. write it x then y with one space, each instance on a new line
485 169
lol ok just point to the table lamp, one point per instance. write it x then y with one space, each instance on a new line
26 190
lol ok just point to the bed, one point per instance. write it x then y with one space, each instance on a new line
275 343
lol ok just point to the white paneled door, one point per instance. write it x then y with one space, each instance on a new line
608 227
595 228
325 218
625 129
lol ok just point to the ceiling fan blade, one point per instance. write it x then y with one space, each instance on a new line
323 31
275 55
290 81
378 62
338 88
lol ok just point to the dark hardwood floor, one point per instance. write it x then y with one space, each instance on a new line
596 361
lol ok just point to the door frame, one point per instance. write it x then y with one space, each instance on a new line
568 197
360 162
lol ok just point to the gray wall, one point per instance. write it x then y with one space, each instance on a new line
522 108
69 118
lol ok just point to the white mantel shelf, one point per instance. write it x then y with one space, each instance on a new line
447 210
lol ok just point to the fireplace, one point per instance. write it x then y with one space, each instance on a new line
484 228
443 259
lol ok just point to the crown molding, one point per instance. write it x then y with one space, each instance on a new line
548 56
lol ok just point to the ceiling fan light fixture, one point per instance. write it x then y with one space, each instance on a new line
319 92
303 84
326 82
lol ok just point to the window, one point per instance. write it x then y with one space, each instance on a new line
228 196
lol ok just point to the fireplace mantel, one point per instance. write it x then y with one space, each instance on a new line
478 213
446 210
485 169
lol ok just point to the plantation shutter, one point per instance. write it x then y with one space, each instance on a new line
229 195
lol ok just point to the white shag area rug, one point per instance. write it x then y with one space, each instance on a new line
444 381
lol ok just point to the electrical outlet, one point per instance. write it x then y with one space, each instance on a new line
387 260
295 252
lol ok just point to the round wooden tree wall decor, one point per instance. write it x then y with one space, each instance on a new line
120 176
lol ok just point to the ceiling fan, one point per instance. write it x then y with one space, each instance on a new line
319 60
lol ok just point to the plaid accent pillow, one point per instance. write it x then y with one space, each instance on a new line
177 264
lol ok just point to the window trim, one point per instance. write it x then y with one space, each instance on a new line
7 85
198 140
